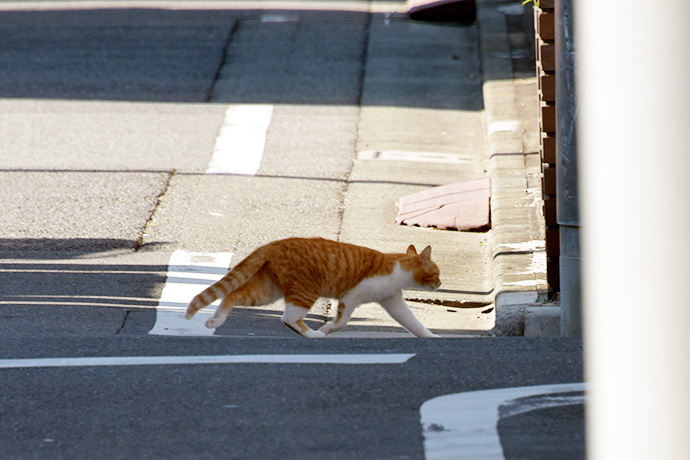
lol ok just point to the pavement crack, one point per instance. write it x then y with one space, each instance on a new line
124 321
360 94
221 63
365 55
159 199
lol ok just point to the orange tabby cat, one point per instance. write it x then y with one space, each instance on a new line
300 270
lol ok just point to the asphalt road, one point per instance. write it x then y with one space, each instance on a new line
272 410
109 120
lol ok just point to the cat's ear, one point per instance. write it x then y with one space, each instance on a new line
411 251
425 256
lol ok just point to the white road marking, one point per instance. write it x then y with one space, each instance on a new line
393 358
465 425
504 126
189 273
418 157
240 143
268 17
543 402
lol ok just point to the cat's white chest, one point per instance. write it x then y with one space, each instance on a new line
380 287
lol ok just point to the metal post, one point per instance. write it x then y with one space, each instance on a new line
634 155
568 216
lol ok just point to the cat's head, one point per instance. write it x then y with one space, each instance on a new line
424 271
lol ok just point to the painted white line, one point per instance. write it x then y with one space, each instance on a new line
465 425
268 17
189 273
394 358
505 126
418 157
240 143
519 406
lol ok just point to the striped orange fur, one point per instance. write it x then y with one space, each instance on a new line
301 270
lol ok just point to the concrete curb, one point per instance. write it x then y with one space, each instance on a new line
517 235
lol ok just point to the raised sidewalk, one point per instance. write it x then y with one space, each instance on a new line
479 117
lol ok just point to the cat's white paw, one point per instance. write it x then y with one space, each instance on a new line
428 335
315 334
213 323
326 328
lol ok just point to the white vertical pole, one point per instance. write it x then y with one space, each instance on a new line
633 61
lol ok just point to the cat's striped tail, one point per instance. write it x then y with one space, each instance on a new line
231 281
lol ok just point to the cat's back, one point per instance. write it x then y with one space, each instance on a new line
334 265
321 252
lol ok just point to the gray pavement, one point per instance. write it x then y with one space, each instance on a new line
81 135
279 411
106 135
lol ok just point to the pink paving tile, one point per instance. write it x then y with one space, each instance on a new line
461 206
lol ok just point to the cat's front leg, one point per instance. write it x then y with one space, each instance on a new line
343 315
396 306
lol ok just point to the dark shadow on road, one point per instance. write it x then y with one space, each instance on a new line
232 56
69 297
66 248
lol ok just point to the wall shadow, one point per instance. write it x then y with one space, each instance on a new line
67 248
74 297
76 270
229 56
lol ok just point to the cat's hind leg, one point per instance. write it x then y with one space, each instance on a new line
296 309
293 317
259 290
398 309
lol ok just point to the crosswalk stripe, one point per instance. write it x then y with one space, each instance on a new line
239 146
188 274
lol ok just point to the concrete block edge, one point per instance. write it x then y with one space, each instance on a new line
520 297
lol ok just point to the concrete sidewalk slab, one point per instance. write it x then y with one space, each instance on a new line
543 321
49 135
418 129
97 210
218 213
297 132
